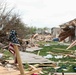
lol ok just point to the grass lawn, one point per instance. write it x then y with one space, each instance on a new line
55 49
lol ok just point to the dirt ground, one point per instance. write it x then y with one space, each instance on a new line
8 71
11 71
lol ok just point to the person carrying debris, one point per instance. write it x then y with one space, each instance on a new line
13 40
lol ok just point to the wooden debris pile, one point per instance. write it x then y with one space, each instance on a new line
68 30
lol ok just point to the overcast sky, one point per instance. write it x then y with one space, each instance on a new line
45 13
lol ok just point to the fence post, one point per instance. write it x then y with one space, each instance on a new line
19 59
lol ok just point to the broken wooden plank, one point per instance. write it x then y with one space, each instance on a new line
33 49
33 67
33 58
61 49
33 71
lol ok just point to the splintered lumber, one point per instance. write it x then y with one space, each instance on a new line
61 49
65 34
33 49
72 44
33 71
32 67
64 50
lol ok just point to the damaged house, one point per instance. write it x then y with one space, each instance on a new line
68 31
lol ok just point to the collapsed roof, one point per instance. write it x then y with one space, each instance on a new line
68 29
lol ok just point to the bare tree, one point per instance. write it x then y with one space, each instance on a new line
9 21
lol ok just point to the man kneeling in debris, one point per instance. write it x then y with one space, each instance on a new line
23 44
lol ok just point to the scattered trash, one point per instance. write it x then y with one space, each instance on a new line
1 55
60 56
48 56
74 68
65 69
47 44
